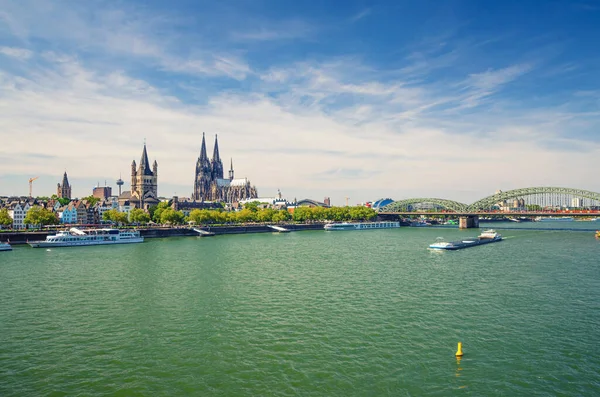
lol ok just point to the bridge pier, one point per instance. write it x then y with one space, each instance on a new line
468 222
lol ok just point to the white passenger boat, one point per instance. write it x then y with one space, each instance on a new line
490 234
362 225
5 247
77 238
554 219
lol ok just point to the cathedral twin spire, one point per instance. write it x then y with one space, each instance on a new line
209 183
203 156
213 167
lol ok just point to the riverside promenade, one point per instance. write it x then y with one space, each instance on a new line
22 237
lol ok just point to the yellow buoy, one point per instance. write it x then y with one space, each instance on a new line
459 352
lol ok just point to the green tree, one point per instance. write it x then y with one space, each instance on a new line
202 217
339 214
360 213
91 199
39 216
265 215
109 215
245 215
223 217
151 210
115 216
169 215
121 218
62 201
301 214
252 206
138 215
5 219
157 214
318 213
281 216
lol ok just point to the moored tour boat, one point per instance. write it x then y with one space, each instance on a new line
554 219
5 247
362 225
78 238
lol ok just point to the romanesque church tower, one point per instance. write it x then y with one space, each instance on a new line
144 182
64 190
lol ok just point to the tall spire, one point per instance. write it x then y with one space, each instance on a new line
145 163
231 170
216 163
65 181
203 155
216 156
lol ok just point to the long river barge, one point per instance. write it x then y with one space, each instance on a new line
486 237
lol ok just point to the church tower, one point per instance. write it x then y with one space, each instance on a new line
203 178
231 171
216 164
64 190
144 181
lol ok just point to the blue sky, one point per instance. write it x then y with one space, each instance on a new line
451 99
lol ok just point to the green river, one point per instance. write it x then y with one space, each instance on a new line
315 313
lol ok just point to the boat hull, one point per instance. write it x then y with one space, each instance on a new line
45 244
559 219
457 245
5 247
362 226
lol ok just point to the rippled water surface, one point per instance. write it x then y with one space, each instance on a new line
366 313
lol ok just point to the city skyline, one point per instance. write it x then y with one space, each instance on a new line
452 99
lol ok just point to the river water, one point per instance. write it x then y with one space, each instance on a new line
365 313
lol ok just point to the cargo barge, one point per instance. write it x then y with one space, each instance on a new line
486 237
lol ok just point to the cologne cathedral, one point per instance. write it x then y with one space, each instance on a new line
209 184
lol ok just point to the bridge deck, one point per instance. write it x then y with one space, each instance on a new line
528 214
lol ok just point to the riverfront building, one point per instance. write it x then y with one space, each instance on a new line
102 192
210 185
17 211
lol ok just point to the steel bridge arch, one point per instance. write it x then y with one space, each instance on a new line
446 204
487 202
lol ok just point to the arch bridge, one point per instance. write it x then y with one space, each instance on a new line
544 195
538 197
402 205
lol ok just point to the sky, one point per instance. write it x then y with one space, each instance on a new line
357 99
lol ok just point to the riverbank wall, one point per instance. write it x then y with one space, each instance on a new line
16 238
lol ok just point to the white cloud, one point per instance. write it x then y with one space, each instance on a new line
261 30
93 125
334 127
491 79
18 53
121 33
362 14
215 65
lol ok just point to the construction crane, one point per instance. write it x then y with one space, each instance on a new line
31 184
